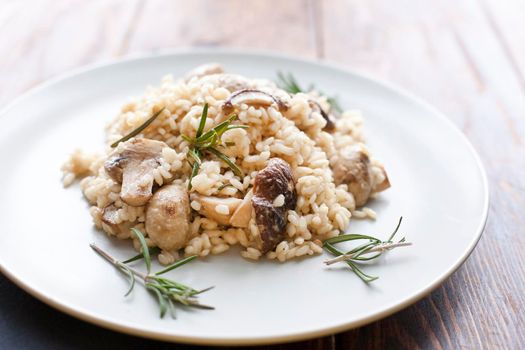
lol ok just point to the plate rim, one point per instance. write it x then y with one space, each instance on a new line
260 340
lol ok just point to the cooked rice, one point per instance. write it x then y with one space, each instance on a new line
323 209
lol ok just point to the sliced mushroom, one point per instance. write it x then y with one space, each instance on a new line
330 125
168 217
111 225
242 215
205 69
354 169
272 181
216 208
132 165
252 97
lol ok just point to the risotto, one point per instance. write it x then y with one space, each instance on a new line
217 160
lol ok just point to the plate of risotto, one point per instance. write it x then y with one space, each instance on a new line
228 198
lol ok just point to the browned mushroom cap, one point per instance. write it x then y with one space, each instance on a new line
330 125
203 70
112 225
252 97
272 181
168 217
132 165
354 169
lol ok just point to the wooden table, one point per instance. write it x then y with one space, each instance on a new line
465 57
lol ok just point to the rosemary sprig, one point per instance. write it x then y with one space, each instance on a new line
288 83
167 291
371 249
207 142
138 130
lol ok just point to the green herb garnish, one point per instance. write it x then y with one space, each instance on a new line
288 83
370 250
144 250
167 291
177 264
152 251
223 186
208 142
138 130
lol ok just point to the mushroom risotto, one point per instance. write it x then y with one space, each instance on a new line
213 160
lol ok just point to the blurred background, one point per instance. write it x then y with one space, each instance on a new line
466 57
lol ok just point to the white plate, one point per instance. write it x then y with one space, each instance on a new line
438 185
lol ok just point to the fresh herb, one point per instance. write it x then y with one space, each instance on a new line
288 83
138 130
223 186
152 251
208 142
144 250
372 249
177 264
167 291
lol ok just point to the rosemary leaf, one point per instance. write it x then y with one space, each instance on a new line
202 306
176 264
362 248
196 165
195 155
171 305
130 275
226 160
231 127
366 278
372 257
160 296
186 138
172 285
223 186
144 247
152 251
334 103
212 141
203 290
350 237
395 231
138 130
202 123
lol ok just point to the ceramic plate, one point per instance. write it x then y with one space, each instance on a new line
438 186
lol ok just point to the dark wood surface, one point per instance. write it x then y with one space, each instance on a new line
465 57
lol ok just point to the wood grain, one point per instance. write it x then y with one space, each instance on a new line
465 57
451 54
